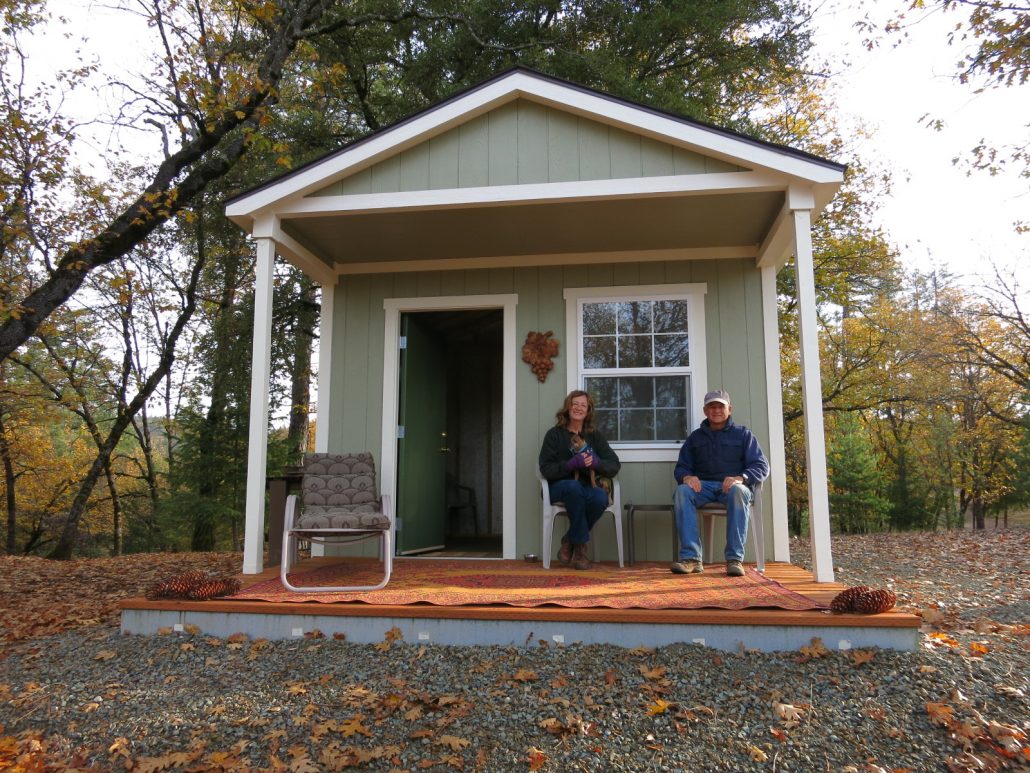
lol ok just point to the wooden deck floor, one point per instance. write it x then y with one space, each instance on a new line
498 624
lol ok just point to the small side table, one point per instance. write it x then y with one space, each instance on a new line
664 508
279 487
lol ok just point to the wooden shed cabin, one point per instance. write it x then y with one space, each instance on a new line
528 204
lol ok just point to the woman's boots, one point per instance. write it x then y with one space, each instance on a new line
574 554
579 557
565 551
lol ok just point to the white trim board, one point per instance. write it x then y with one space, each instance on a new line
393 308
566 97
744 251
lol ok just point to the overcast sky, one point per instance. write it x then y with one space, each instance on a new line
937 213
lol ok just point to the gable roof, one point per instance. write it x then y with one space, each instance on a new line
285 209
530 74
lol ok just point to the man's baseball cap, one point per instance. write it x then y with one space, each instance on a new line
718 396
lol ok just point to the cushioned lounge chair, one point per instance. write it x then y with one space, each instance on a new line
338 503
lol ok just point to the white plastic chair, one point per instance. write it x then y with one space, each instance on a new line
708 514
553 509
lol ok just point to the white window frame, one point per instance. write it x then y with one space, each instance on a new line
694 295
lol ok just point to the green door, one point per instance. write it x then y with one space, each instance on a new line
421 450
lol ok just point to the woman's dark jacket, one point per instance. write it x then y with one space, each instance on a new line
555 452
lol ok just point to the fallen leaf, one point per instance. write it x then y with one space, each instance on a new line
658 707
816 650
653 673
354 726
861 657
453 743
977 649
536 758
787 712
941 640
940 713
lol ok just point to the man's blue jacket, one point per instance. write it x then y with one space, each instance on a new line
711 455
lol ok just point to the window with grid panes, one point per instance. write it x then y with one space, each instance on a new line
636 364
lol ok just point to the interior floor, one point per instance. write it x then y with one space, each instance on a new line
468 547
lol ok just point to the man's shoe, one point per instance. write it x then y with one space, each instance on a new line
565 551
687 567
734 569
579 558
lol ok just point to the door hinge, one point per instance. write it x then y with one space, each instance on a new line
398 523
402 342
400 432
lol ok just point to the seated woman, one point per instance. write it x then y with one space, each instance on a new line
561 463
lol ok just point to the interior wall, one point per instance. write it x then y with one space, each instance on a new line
474 423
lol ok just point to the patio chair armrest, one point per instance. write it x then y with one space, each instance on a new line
290 512
545 489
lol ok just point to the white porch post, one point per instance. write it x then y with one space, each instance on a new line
777 485
261 373
811 399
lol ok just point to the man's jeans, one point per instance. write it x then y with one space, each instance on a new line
584 503
738 510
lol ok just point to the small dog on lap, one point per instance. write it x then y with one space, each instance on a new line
579 445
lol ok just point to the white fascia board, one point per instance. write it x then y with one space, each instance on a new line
537 193
368 152
668 129
524 85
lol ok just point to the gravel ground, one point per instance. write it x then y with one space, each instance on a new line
91 698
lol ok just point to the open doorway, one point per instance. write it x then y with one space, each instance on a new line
449 452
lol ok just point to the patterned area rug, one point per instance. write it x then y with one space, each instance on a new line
516 583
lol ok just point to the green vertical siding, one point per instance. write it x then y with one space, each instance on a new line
524 142
733 313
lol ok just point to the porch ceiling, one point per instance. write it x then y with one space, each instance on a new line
611 225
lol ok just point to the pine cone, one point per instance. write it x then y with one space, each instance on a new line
845 600
875 601
213 587
177 587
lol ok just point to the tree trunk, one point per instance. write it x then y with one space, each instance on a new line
979 511
300 375
223 351
116 512
146 444
10 481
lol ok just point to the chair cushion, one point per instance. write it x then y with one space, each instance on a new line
340 481
358 517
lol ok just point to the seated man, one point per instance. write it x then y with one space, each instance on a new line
719 462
